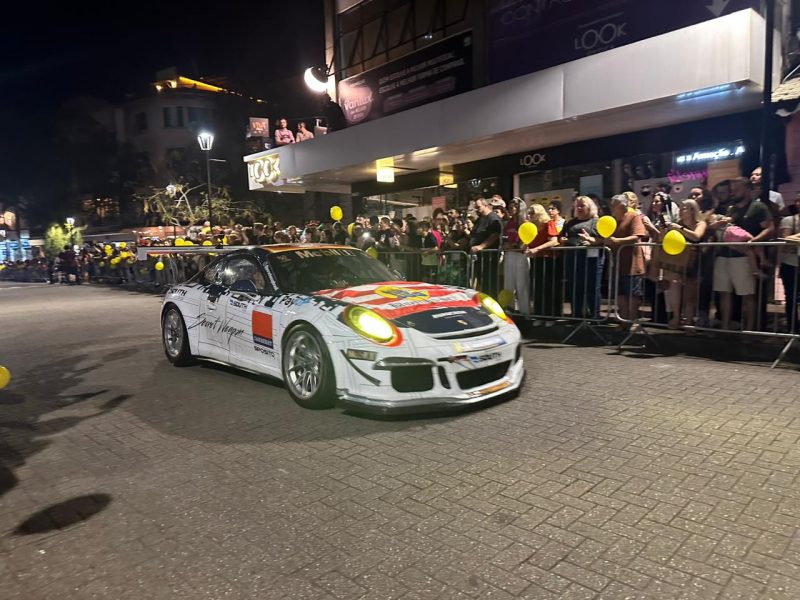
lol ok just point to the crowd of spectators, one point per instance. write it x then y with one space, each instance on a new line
565 271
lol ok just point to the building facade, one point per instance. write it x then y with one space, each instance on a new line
449 100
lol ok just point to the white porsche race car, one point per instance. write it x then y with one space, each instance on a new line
338 327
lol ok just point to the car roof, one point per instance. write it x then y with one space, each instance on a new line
278 248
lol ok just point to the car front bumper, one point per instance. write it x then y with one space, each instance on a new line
507 386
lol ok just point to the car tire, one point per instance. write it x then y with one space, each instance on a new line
307 369
176 338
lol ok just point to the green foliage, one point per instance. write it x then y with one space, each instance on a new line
57 237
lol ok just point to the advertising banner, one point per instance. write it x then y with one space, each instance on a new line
529 35
435 72
259 127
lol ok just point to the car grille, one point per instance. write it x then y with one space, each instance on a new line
475 377
412 379
468 334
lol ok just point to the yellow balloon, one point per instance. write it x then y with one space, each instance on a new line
336 213
372 252
159 266
115 260
2 267
505 298
350 229
674 242
109 250
5 377
206 230
123 245
208 243
179 242
188 243
606 226
527 232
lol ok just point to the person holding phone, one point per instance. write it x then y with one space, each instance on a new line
790 228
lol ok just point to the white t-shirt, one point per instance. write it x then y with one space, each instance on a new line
793 225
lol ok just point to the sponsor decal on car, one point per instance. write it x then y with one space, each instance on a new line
399 293
262 329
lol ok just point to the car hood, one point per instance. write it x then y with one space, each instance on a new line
426 307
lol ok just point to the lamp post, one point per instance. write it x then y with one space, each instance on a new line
171 191
70 227
206 141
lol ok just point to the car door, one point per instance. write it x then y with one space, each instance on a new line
249 325
212 313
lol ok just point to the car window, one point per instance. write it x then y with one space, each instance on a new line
305 271
213 273
242 267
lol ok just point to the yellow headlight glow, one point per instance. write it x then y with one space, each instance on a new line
370 324
493 306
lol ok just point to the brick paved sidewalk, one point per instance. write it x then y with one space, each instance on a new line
610 477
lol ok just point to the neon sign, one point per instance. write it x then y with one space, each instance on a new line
710 155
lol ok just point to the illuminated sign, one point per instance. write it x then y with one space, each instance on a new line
264 170
709 155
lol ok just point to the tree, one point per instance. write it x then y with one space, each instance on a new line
56 238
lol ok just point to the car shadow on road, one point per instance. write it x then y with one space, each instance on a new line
220 404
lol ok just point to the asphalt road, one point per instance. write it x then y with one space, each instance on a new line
610 476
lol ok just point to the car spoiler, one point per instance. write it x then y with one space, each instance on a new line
143 253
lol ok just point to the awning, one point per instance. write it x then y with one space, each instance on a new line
706 70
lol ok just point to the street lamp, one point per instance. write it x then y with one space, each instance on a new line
171 191
316 79
206 141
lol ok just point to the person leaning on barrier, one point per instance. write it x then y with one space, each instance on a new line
683 282
486 236
630 258
583 269
732 269
516 266
545 275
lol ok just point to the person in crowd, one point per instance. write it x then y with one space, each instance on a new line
661 213
68 264
384 235
333 113
683 282
733 272
554 210
294 234
776 204
326 235
429 251
283 135
721 193
704 198
631 261
790 228
516 266
303 134
584 269
547 297
457 238
486 236
281 237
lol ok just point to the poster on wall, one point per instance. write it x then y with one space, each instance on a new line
564 196
437 71
259 127
530 35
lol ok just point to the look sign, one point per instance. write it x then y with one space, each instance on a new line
264 170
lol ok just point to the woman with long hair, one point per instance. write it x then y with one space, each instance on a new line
547 297
584 268
683 283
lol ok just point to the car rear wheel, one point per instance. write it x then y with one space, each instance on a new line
176 339
307 369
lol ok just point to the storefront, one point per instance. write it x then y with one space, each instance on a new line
598 124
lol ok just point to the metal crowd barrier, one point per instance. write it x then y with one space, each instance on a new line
448 267
564 283
736 280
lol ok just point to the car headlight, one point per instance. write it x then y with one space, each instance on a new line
493 306
372 326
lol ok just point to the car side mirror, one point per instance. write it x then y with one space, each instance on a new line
244 286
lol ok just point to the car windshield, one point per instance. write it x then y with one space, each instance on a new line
305 271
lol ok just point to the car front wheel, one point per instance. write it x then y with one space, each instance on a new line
307 369
176 338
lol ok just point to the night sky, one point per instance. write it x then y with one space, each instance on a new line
49 54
